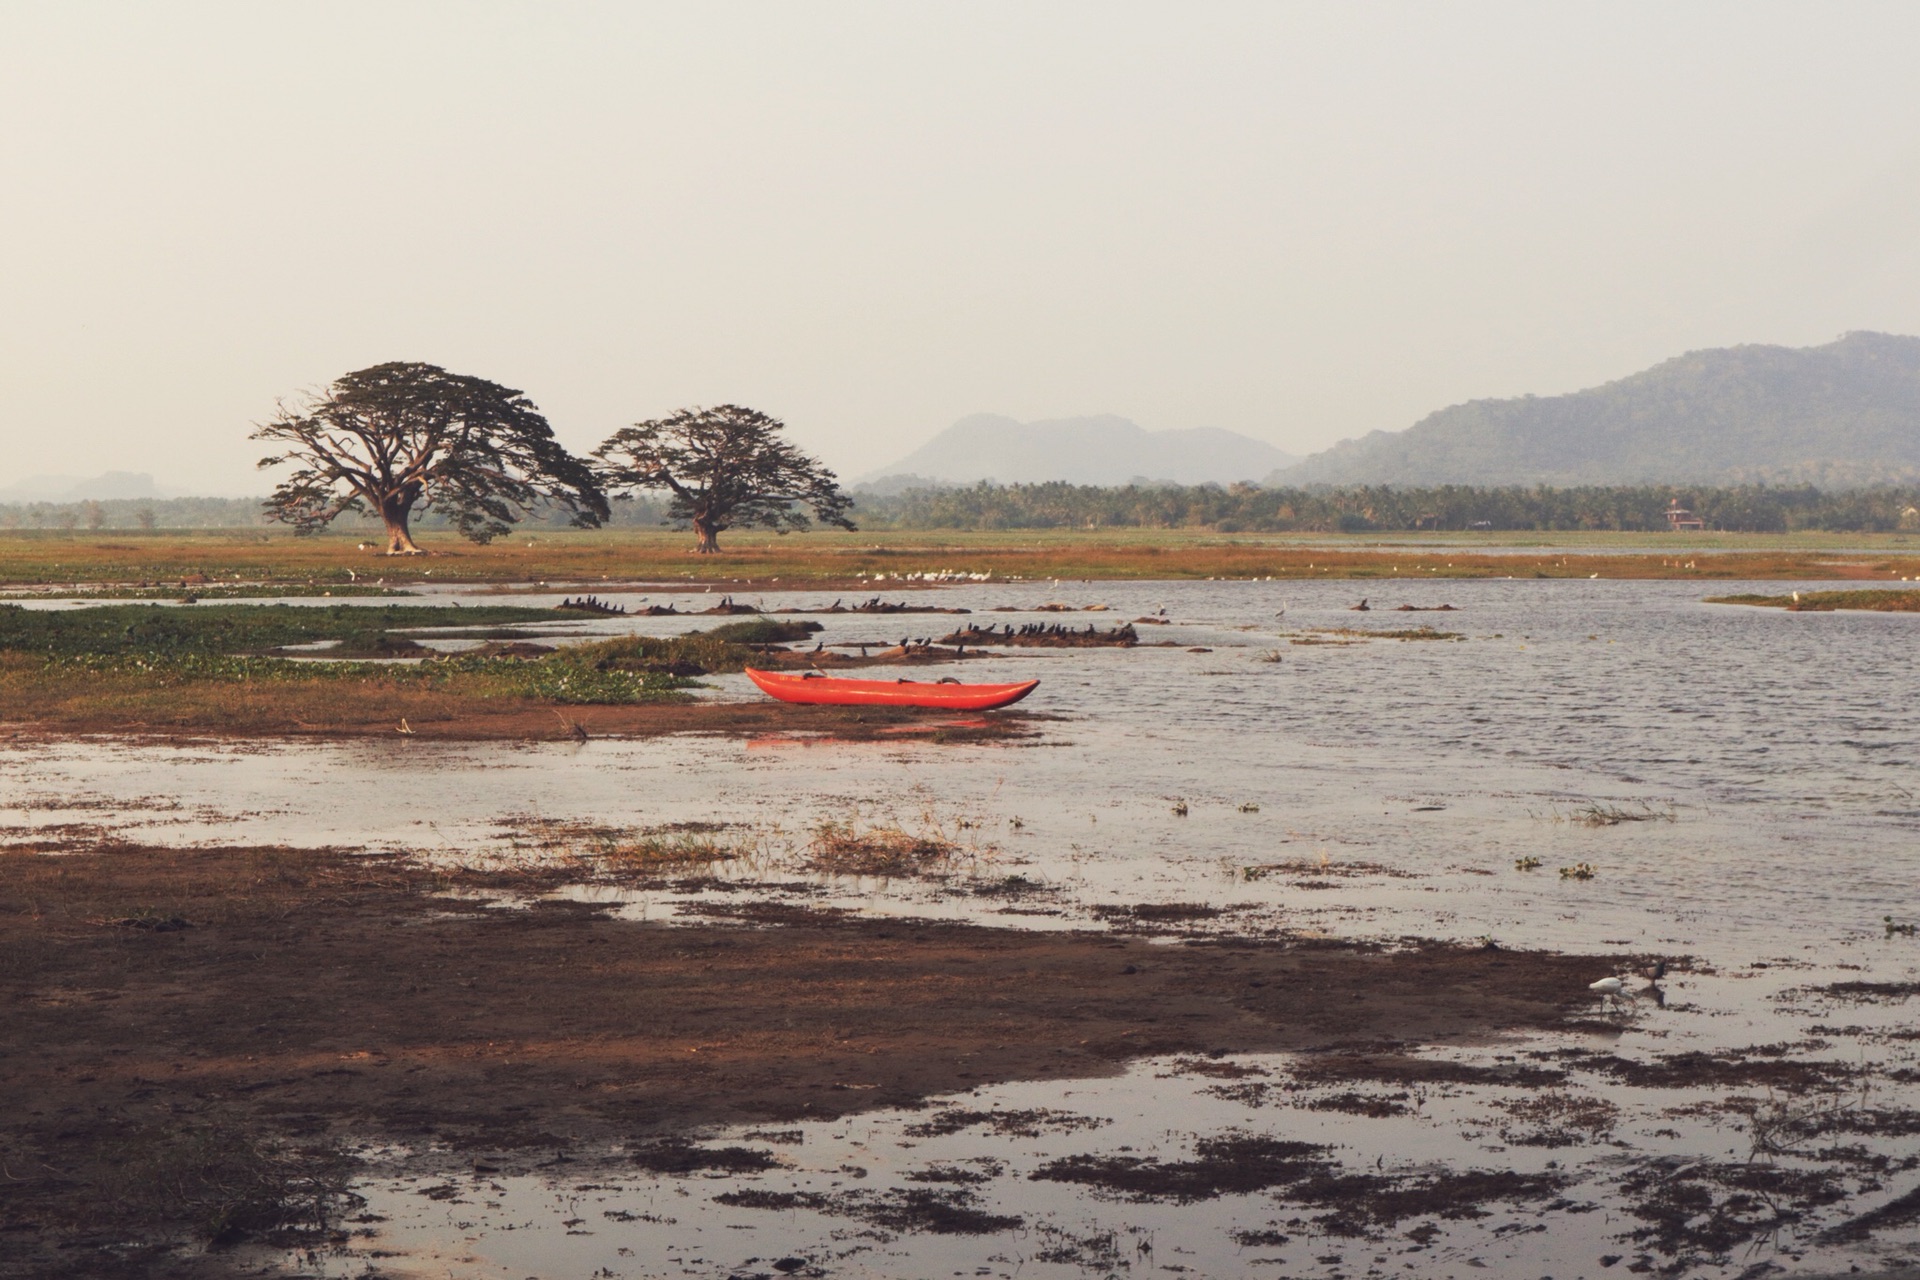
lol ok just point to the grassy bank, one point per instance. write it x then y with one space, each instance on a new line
214 561
223 668
1827 601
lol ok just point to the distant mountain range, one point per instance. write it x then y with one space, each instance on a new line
108 485
1842 415
1102 450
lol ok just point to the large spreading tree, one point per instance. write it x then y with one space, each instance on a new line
726 467
403 437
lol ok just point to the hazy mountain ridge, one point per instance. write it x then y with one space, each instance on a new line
1839 415
1104 449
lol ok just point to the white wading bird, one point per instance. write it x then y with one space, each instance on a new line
1612 989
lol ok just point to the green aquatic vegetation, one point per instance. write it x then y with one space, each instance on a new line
155 631
557 679
762 631
173 647
553 678
375 644
216 591
709 651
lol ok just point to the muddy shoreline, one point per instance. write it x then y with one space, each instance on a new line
432 717
312 997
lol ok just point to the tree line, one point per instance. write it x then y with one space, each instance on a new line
1246 508
399 442
1744 509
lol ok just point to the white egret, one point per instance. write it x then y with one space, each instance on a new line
1612 989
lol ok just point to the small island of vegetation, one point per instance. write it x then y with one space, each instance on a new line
1874 601
273 670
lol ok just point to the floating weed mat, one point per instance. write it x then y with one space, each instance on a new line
154 633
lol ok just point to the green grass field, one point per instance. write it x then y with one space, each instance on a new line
227 562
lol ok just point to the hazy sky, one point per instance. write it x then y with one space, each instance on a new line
1302 222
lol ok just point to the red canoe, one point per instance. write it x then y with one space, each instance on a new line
950 694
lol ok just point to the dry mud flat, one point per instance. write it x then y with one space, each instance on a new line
192 1035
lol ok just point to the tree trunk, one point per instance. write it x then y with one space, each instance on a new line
396 510
708 537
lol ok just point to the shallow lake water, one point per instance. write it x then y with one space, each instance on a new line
1741 783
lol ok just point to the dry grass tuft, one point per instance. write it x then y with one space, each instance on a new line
590 851
850 849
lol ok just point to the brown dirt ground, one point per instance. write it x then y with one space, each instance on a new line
322 994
